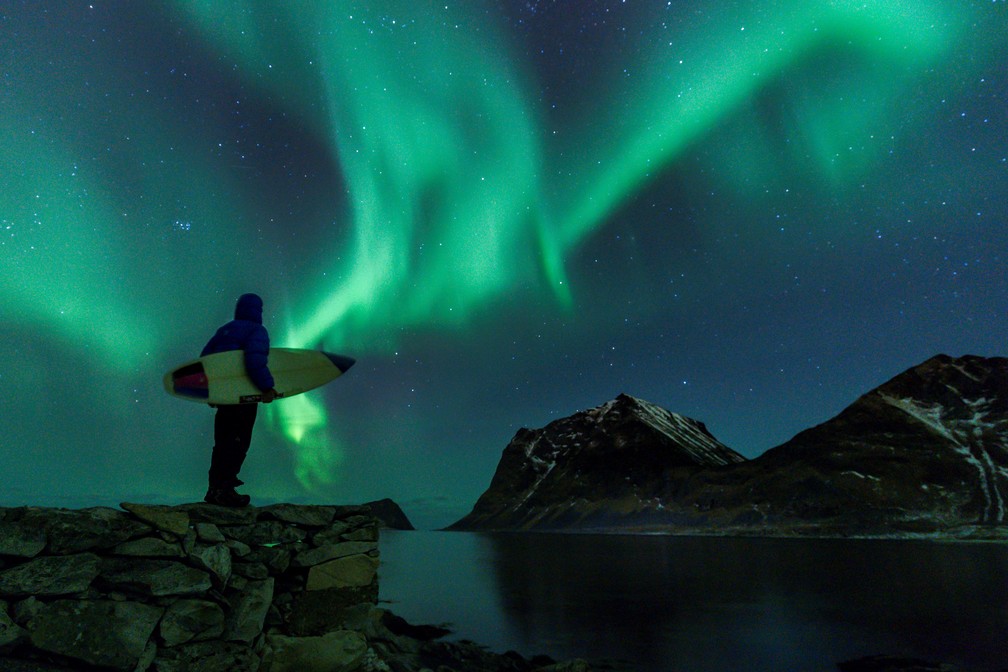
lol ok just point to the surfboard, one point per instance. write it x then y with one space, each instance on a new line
221 378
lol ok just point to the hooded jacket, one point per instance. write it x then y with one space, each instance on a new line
246 332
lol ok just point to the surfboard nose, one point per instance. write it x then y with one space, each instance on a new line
342 363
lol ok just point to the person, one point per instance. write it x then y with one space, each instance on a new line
233 422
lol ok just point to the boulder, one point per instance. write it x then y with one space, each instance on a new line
85 529
237 548
25 610
162 517
154 577
210 533
219 515
11 634
265 533
248 610
149 547
251 570
50 575
277 558
297 514
103 633
316 556
21 540
369 533
332 534
191 621
207 657
216 559
340 651
350 572
316 612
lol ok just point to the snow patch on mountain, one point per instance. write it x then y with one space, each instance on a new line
966 439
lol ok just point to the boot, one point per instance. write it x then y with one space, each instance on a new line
226 497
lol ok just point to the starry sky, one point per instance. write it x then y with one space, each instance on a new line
748 212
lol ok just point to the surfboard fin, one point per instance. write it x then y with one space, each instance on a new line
342 363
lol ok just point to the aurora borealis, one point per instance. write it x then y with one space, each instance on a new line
747 212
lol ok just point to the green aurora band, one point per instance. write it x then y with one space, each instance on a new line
455 189
448 182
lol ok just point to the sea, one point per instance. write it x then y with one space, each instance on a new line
705 604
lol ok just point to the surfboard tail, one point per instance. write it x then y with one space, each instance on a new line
341 362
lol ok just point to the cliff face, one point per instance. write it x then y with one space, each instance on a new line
926 452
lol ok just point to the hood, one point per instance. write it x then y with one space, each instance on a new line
249 307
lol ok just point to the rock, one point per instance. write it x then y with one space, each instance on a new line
340 651
11 634
207 657
295 514
238 548
369 533
154 577
26 610
162 517
278 559
191 620
147 657
50 575
215 559
21 540
248 610
332 534
76 531
209 532
265 533
317 612
101 632
219 515
149 547
251 570
351 571
316 556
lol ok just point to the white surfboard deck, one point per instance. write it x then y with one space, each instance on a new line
220 378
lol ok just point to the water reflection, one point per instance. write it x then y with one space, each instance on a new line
696 603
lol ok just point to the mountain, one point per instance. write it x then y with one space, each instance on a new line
594 468
926 452
390 514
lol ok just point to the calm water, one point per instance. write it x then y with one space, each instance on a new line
705 604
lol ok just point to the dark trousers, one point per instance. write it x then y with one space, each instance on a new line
232 436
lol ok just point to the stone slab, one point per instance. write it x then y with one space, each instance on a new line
154 577
50 576
21 540
162 517
353 571
339 651
104 633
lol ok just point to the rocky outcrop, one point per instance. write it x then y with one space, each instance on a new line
390 514
199 587
924 454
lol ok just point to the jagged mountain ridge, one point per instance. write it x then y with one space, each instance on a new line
925 452
604 457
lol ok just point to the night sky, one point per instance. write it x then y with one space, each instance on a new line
749 213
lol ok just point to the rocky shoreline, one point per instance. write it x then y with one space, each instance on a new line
201 588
